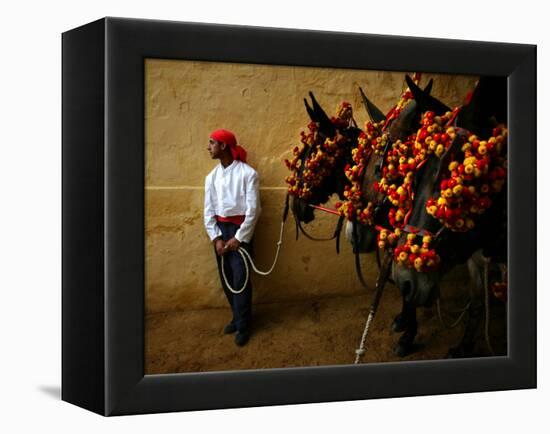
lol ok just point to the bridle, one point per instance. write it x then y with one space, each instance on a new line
299 227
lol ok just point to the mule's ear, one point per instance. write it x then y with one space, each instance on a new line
375 114
425 101
325 125
487 105
428 88
491 95
310 111
319 112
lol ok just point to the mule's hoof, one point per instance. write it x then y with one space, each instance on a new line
401 350
454 353
399 324
459 352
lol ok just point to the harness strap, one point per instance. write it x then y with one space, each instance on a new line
312 238
454 115
357 257
322 208
287 206
418 231
338 232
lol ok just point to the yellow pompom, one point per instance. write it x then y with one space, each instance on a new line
457 190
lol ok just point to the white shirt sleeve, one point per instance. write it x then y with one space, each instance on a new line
212 228
253 209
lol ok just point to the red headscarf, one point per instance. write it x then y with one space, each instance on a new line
227 137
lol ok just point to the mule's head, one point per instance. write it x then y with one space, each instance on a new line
397 128
321 161
420 288
363 236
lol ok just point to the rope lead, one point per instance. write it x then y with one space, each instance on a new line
245 255
380 283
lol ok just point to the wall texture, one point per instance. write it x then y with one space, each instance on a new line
184 102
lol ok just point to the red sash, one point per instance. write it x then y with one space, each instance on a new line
236 219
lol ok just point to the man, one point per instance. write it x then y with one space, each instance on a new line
231 210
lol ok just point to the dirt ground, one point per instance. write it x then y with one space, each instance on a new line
306 333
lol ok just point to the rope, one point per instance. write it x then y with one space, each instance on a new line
359 352
245 255
380 283
457 321
279 243
247 274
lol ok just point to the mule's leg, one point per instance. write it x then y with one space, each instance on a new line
405 344
465 347
399 323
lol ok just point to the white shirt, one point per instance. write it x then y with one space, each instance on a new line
231 191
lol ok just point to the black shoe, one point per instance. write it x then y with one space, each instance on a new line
229 328
241 338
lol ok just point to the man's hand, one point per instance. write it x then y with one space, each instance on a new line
233 244
220 246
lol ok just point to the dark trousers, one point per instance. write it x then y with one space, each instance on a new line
241 304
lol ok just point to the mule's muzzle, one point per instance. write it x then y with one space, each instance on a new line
418 289
365 238
301 210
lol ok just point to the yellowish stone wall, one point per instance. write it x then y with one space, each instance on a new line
263 105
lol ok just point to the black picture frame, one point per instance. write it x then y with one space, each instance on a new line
103 216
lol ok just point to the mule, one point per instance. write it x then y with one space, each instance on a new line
422 288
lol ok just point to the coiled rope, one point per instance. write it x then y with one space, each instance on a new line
246 256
